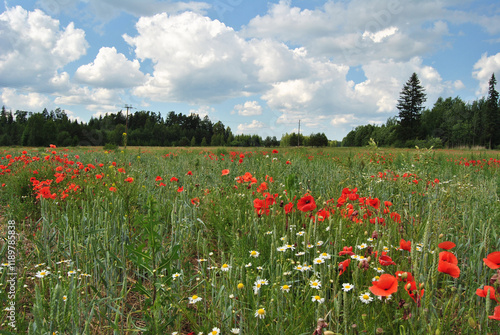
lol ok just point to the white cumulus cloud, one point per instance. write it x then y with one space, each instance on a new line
249 108
483 69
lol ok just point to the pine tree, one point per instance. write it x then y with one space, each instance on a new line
410 105
492 115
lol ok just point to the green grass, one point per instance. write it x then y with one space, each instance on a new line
127 245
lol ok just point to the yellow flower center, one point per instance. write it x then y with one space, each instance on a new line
366 296
261 311
240 286
194 297
317 297
286 287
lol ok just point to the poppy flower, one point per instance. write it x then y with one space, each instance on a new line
493 260
405 245
306 203
195 201
385 286
225 172
411 289
346 251
129 180
173 179
496 314
343 266
448 257
484 292
323 214
288 207
446 245
275 151
404 276
385 260
158 178
180 189
449 268
396 217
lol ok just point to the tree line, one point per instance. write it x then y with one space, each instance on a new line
142 128
451 122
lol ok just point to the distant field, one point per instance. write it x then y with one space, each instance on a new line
153 240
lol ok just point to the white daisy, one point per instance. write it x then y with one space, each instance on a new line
260 313
225 267
318 299
319 243
254 253
42 273
300 253
194 299
366 298
215 331
318 260
315 284
347 287
286 288
325 255
235 331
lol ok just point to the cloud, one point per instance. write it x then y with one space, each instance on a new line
110 70
35 48
249 108
99 99
203 111
252 127
31 101
380 35
483 69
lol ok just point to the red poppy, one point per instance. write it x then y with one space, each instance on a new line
405 245
346 251
173 179
189 173
225 172
158 178
288 207
385 286
448 257
375 203
496 314
385 260
323 215
404 276
492 260
306 203
446 245
411 288
449 268
484 292
129 180
275 151
343 266
396 217
112 189
180 189
288 162
195 201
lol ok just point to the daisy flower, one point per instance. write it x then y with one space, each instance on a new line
281 249
262 281
176 275
42 273
376 278
318 299
319 243
36 266
248 265
260 313
290 246
309 246
299 267
194 299
301 233
325 255
379 270
269 232
65 297
366 298
256 287
259 268
286 288
235 331
71 272
254 254
347 287
300 253
361 246
318 260
315 284
225 267
386 249
215 331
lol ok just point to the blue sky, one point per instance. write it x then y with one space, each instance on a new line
257 66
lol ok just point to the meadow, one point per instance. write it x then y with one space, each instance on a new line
249 241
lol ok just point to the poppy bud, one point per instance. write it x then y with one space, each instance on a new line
421 286
366 233
472 322
408 286
375 234
441 235
404 275
379 331
495 280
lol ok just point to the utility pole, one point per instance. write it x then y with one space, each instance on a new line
298 136
126 123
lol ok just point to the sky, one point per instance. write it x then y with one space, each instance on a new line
259 67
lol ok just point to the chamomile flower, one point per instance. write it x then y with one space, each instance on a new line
256 287
319 243
301 233
254 253
259 268
315 284
281 249
290 246
286 288
42 273
194 299
260 313
176 275
225 267
262 281
318 260
362 246
386 249
248 265
269 232
65 297
379 270
299 268
283 238
317 298
370 239
215 331
346 287
235 331
366 298
309 246
300 253
376 278
325 255
71 273
36 266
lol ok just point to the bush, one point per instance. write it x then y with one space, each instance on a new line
110 146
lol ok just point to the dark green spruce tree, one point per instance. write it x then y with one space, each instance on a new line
410 106
492 115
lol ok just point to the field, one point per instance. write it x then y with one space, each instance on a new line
249 241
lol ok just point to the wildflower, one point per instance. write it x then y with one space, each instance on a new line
492 260
300 253
379 270
38 265
235 331
176 275
366 298
260 313
325 255
496 314
405 245
71 272
262 281
42 273
484 292
240 286
448 264
269 232
385 260
259 268
299 268
281 249
306 203
346 251
256 287
290 246
225 172
319 243
385 286
248 265
346 287
362 246
318 260
286 288
129 180
215 331
309 246
318 299
194 299
315 284
301 233
225 267
446 245
254 254
343 266
65 297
